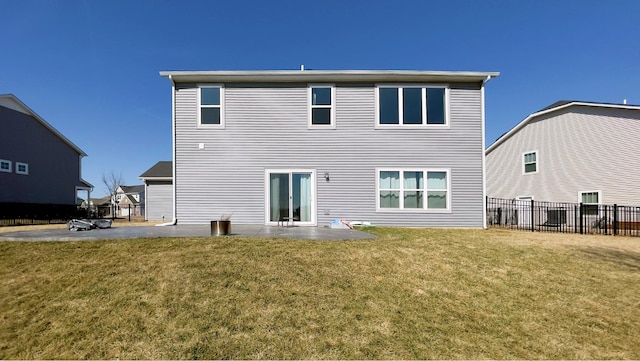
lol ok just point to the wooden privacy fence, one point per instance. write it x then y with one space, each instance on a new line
536 216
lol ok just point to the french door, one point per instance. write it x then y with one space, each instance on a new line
290 195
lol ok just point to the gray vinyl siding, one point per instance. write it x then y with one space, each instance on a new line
54 167
267 128
579 148
159 200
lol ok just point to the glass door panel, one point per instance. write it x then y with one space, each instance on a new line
279 195
302 197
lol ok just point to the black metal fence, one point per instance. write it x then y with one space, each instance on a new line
535 216
12 214
18 214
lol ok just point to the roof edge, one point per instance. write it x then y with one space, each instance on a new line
156 178
29 111
325 75
547 110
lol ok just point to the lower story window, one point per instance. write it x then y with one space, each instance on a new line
413 189
590 201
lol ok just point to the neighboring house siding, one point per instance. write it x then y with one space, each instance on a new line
159 200
266 128
580 148
54 167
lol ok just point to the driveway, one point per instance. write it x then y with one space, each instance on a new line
201 230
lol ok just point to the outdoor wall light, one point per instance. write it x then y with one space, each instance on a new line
326 176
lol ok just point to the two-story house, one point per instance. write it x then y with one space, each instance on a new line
570 151
387 147
130 200
40 169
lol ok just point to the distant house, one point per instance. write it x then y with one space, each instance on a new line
570 151
99 207
130 200
383 146
38 165
158 182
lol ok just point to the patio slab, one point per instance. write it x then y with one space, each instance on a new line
186 230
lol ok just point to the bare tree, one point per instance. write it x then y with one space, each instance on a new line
112 182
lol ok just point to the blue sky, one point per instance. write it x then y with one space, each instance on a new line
90 68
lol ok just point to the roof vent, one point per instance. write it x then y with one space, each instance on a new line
302 67
624 101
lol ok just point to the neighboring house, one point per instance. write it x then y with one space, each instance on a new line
570 151
158 181
99 207
130 200
386 147
38 165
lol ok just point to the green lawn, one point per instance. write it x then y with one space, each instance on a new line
410 294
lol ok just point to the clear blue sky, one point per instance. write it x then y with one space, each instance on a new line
90 67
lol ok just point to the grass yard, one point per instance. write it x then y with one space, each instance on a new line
410 294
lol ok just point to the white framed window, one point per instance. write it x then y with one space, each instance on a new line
322 99
412 106
22 168
413 189
530 162
590 201
5 166
211 106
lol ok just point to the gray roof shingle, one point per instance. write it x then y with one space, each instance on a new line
162 169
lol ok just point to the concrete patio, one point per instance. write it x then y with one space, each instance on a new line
240 230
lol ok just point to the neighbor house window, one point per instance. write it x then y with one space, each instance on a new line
530 162
22 168
590 201
413 189
210 106
5 166
321 109
411 105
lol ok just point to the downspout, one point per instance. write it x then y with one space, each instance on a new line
146 218
173 152
484 165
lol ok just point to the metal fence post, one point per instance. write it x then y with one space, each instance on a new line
581 220
615 219
533 219
604 221
486 211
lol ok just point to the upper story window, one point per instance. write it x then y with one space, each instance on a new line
530 162
411 105
5 166
413 189
22 168
210 106
321 106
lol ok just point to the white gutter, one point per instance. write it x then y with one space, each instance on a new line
374 76
484 165
173 151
